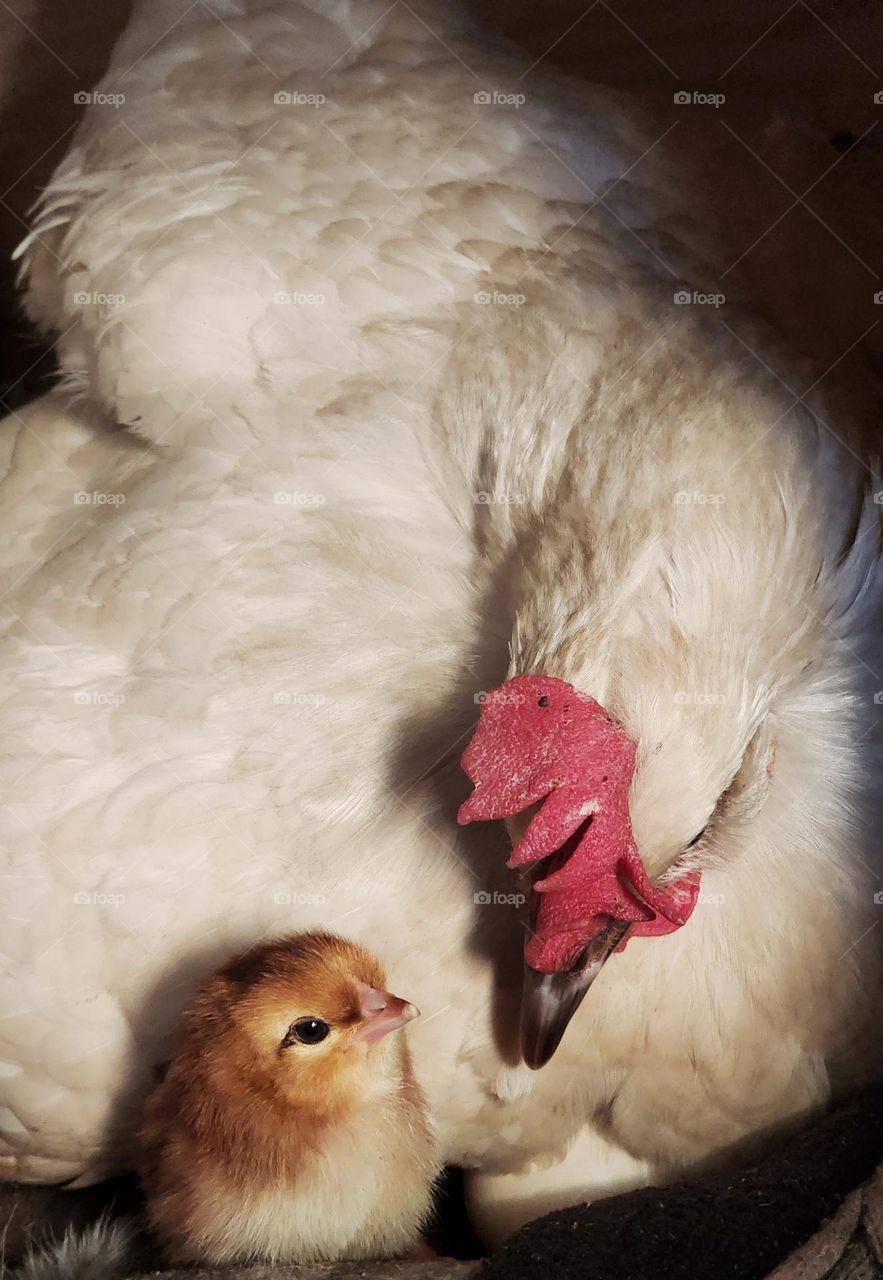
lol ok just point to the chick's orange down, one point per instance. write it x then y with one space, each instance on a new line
289 1126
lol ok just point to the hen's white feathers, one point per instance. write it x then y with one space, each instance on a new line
415 409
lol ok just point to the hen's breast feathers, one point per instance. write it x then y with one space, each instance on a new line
319 241
453 424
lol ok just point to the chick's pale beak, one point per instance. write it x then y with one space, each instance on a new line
380 1013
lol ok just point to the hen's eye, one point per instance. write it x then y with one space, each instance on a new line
696 839
307 1031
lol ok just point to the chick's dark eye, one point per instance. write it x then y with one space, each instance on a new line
307 1031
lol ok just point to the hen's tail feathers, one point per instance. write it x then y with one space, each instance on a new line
103 1251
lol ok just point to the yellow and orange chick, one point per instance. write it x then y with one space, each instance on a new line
289 1126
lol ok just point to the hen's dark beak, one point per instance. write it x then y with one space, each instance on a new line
549 1000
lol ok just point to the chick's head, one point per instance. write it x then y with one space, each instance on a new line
302 1020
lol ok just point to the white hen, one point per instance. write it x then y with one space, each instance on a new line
402 393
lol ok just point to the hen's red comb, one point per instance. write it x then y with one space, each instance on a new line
537 739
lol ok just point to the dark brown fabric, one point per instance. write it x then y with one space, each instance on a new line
736 1226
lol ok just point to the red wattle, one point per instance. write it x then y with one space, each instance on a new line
539 739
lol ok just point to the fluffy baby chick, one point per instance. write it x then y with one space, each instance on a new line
289 1126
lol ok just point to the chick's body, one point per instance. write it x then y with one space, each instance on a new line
289 1126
